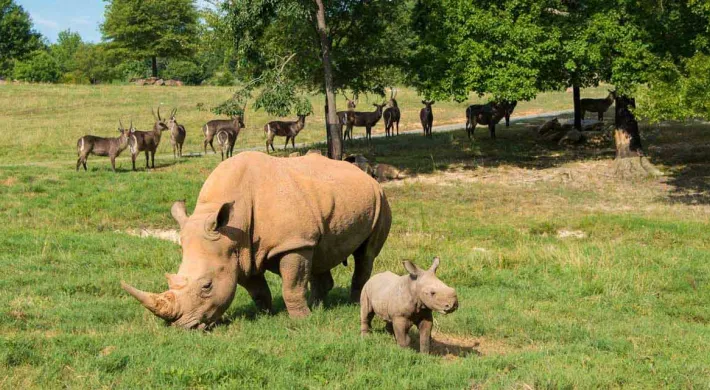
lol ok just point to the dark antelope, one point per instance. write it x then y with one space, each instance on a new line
392 115
363 119
212 127
426 116
98 146
488 114
600 106
146 141
177 134
283 129
343 115
226 138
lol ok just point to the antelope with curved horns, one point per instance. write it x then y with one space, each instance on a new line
146 141
392 114
99 146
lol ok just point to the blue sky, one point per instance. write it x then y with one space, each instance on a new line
52 16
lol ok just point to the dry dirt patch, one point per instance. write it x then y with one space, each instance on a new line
452 347
163 234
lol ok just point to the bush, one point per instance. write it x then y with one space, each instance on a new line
40 67
75 77
130 70
223 78
185 71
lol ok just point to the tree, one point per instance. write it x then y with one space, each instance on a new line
152 29
331 46
40 67
17 38
64 51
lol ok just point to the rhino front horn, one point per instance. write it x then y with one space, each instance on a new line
162 305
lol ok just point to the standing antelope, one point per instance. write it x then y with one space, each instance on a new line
146 141
98 146
426 116
212 127
391 114
363 119
283 129
177 134
488 114
226 138
343 115
600 106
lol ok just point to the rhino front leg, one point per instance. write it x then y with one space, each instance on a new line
401 327
321 284
259 291
425 325
295 270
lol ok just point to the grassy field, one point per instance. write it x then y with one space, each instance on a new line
47 120
567 277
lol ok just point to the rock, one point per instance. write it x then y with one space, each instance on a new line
551 125
295 154
356 158
160 82
140 82
385 172
170 83
178 83
314 151
150 80
571 137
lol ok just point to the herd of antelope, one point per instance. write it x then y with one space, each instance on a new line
226 131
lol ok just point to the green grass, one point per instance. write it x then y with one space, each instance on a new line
627 305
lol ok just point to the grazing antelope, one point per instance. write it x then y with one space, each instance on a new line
146 141
343 115
212 127
392 114
283 129
488 114
363 119
600 106
177 134
98 146
426 116
226 138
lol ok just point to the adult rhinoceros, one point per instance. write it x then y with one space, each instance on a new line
299 217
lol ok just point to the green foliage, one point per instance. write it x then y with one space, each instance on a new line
40 67
133 69
222 78
65 50
98 63
143 29
17 38
185 71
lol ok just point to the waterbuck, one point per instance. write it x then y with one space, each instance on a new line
226 138
146 141
426 116
343 115
600 106
488 114
177 134
392 114
363 119
98 146
212 127
283 129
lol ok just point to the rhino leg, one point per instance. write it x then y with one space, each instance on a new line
321 284
367 252
425 325
259 291
401 327
295 270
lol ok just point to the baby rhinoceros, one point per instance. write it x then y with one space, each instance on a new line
403 301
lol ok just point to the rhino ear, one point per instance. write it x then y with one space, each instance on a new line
412 268
434 265
175 281
218 220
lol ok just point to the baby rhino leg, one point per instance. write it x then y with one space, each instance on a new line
366 314
401 331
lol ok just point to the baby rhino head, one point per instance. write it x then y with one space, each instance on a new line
431 291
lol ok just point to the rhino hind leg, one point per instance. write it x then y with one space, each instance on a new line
259 291
321 284
295 270
367 252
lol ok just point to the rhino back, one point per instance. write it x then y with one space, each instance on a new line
309 201
388 295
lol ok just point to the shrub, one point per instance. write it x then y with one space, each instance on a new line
185 71
40 67
223 78
133 69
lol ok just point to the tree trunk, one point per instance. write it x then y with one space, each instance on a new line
630 159
155 66
333 127
577 107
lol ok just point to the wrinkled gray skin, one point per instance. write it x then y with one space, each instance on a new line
403 301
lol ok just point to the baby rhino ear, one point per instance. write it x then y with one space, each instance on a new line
412 268
434 265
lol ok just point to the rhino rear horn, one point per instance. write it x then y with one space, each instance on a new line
179 212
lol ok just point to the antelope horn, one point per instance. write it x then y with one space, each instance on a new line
120 123
395 93
153 111
162 305
159 118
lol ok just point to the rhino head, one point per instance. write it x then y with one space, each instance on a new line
205 284
430 290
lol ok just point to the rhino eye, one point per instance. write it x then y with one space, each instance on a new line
432 293
207 286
